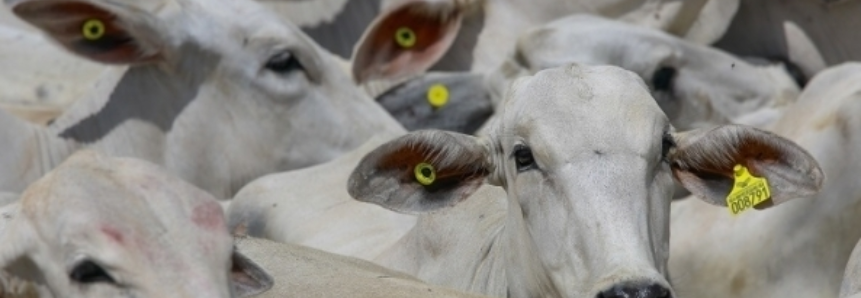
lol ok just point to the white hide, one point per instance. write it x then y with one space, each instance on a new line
797 250
700 86
111 227
206 105
304 272
586 197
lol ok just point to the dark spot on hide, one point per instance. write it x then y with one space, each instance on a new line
598 152
340 35
149 94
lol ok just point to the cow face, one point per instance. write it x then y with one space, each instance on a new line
101 227
588 161
226 80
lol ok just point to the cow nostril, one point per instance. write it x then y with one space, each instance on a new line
629 290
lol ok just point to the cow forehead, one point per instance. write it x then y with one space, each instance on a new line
600 107
90 194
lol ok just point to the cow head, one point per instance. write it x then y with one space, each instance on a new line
588 161
696 86
104 227
226 80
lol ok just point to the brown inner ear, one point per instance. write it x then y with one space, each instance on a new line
405 158
428 27
380 55
64 21
749 152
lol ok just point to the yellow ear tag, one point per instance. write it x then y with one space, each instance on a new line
93 29
437 95
425 173
405 37
747 191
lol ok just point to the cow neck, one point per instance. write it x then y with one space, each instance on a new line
481 241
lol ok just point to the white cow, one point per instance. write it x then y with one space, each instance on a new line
112 227
39 80
108 227
477 35
798 250
220 92
695 85
588 193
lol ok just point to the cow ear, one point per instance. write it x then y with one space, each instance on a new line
16 234
112 35
704 161
406 40
447 101
421 171
247 278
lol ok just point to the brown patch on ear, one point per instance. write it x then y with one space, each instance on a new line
703 161
692 156
387 177
379 55
403 160
65 22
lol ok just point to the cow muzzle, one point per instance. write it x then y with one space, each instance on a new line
636 290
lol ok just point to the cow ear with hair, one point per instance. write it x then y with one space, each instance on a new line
247 278
106 32
704 160
422 171
406 40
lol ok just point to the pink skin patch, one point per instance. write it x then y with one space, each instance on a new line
113 234
208 216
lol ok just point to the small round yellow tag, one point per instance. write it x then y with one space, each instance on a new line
93 29
425 173
437 95
405 37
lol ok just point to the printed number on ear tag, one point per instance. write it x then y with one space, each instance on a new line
747 191
93 29
405 37
437 95
425 173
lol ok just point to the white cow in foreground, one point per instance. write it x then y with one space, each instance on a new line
98 226
104 227
587 159
797 250
220 92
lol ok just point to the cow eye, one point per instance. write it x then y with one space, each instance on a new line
667 143
662 79
523 158
89 272
283 63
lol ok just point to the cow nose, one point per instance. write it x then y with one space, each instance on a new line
628 290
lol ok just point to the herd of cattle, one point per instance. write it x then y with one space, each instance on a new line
430 148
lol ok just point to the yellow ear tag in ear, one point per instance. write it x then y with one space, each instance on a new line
405 37
425 173
437 95
747 191
93 29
